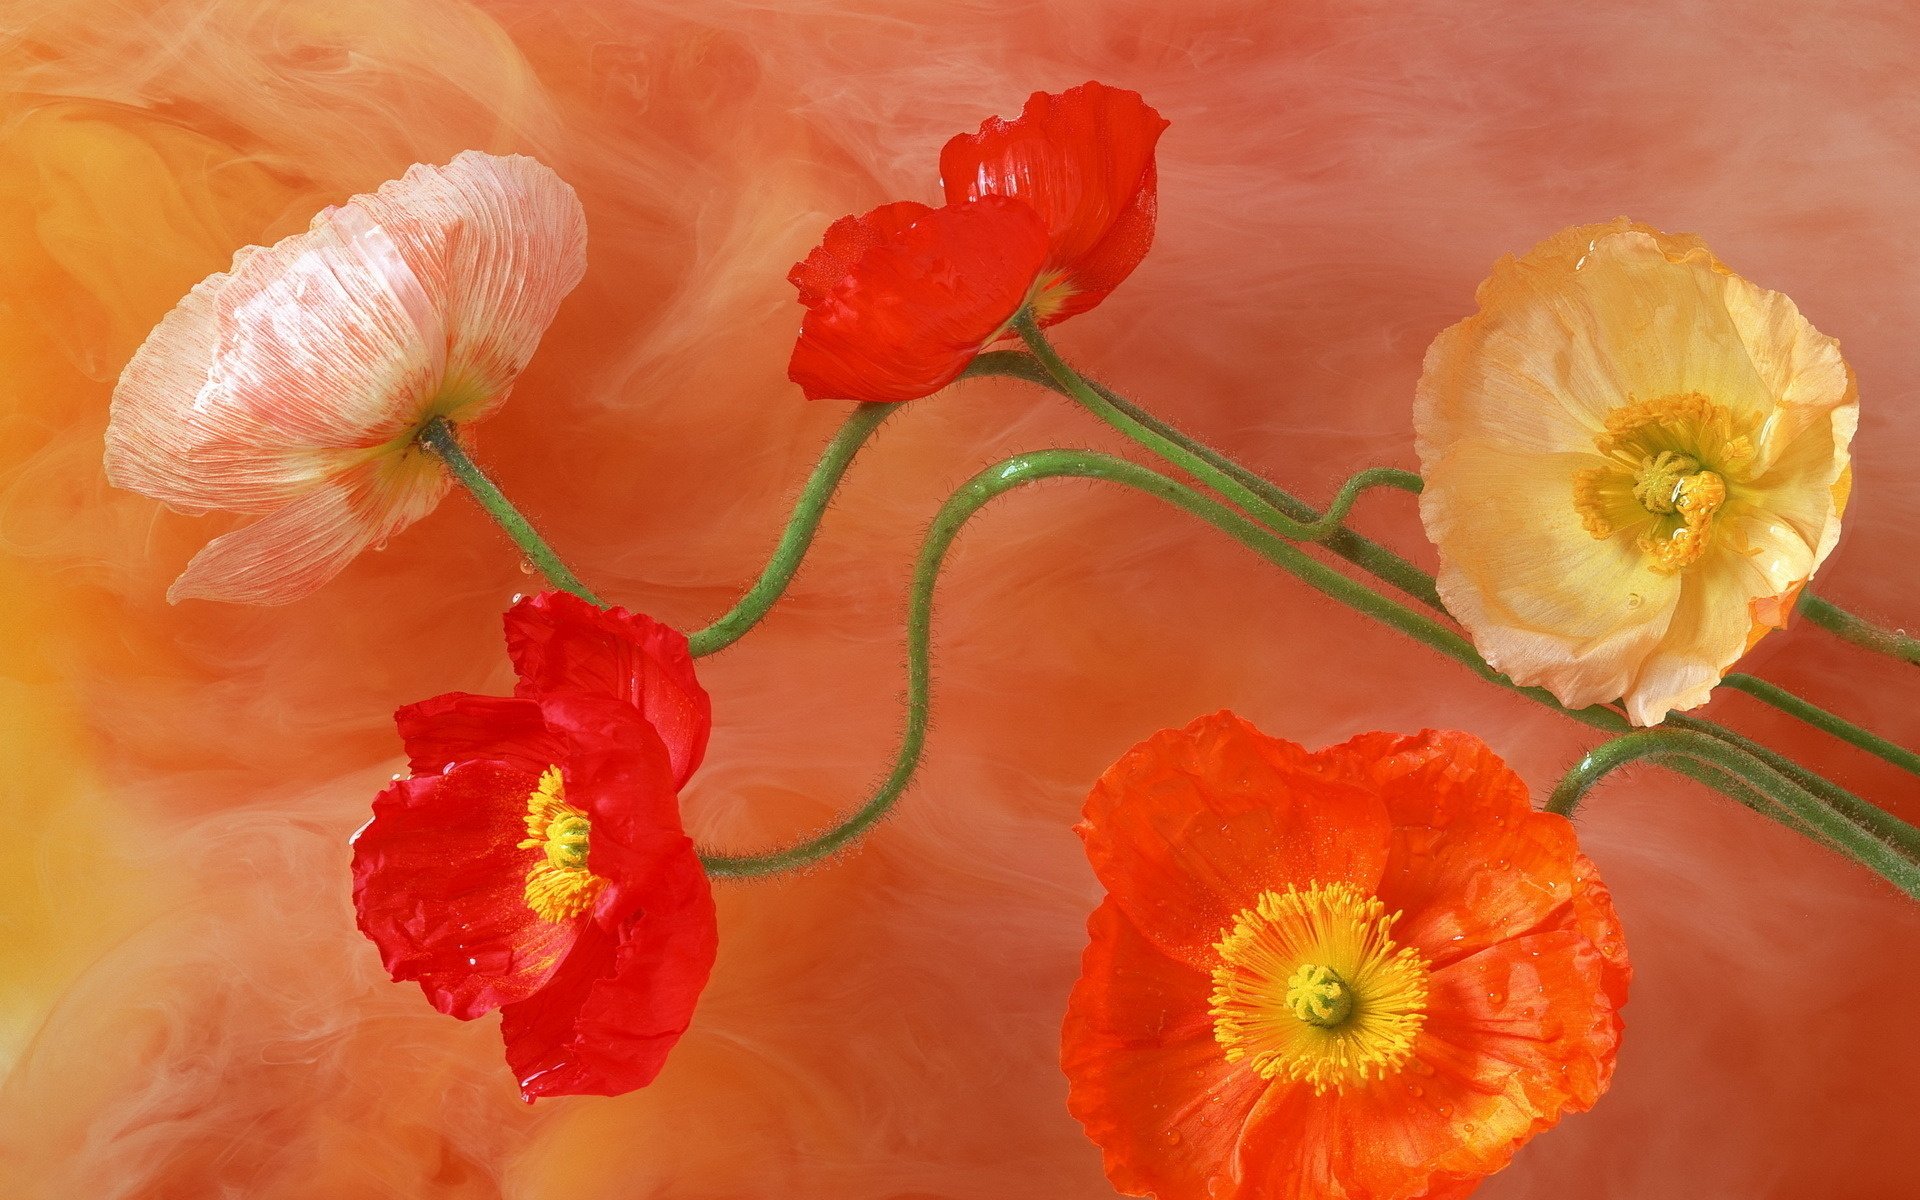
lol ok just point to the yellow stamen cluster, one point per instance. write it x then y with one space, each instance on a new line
559 886
1672 462
1311 986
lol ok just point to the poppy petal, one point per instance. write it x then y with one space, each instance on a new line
1084 160
559 642
619 774
1191 825
445 731
918 303
1146 1076
845 243
502 240
439 886
162 441
292 551
620 1002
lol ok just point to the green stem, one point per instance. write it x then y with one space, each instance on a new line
1883 824
798 535
1370 556
1023 469
438 436
1383 564
1842 624
1172 450
1758 786
1825 721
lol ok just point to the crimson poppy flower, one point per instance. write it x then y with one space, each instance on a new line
534 861
1049 212
1369 973
1083 160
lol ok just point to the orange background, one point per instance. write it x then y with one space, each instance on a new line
185 1007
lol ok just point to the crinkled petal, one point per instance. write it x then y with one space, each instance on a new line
845 243
447 730
619 1004
295 549
1190 826
440 887
1472 864
335 344
1084 160
1545 601
1712 627
619 774
1145 1075
918 304
559 642
501 240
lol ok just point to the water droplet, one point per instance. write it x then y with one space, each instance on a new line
1219 1185
395 777
526 567
517 597
450 766
1634 600
1173 1137
1446 1110
1416 1089
1496 997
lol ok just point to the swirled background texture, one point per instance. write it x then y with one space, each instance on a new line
185 1008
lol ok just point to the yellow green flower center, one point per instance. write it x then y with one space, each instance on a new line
1311 986
1671 468
559 886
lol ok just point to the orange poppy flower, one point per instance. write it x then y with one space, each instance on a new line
1369 973
293 386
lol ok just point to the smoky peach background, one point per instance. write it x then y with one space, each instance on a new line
185 1006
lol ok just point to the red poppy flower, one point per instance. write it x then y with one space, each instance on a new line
1050 211
1083 160
900 300
1370 973
534 861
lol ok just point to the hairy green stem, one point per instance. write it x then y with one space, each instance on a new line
798 535
1759 786
1869 816
438 436
1844 625
1370 556
1023 469
1825 721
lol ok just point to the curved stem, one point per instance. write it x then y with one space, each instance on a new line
1370 556
797 536
1796 807
1842 624
1825 721
1023 469
1169 449
438 437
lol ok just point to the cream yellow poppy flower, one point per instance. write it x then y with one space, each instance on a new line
1634 461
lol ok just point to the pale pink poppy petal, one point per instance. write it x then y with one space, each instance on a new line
501 241
161 422
266 380
289 553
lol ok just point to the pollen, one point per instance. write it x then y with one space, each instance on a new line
1311 986
559 885
1671 467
